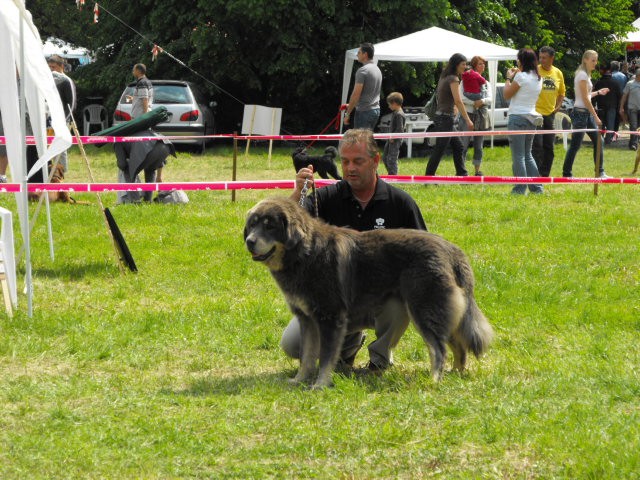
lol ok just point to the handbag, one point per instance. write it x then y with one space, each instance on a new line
481 120
431 107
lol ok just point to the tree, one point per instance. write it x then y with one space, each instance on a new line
290 53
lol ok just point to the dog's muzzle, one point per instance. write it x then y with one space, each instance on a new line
251 246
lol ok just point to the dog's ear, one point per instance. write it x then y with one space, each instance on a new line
293 227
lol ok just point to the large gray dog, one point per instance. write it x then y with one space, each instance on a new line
332 277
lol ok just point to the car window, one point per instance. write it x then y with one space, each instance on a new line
170 94
501 102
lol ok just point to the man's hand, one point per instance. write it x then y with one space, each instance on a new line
303 174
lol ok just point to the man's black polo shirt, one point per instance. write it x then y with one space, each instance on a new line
390 207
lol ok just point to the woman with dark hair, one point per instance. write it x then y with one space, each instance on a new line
522 86
448 95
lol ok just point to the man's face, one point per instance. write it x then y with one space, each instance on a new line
546 60
358 168
362 57
135 73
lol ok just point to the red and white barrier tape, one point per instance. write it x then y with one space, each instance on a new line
289 184
91 140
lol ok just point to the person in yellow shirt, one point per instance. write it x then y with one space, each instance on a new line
549 102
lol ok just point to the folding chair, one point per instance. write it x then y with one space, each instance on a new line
94 114
559 122
7 261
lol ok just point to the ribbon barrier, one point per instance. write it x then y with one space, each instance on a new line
289 184
93 140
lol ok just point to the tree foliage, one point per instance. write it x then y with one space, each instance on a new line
290 53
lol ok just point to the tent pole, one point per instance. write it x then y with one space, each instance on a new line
23 151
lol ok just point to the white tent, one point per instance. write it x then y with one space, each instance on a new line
634 35
431 45
60 47
21 54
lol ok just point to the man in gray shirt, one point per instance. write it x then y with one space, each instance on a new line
142 97
365 97
631 99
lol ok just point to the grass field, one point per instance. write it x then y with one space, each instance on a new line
175 372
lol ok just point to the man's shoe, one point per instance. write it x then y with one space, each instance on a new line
604 176
371 369
3 179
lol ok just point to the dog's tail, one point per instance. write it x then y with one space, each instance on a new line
474 329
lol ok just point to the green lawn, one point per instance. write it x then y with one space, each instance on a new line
175 372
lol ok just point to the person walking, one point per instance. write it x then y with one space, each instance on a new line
448 97
365 97
607 105
522 87
549 102
630 105
478 110
584 115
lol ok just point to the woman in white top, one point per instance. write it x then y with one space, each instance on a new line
584 115
522 86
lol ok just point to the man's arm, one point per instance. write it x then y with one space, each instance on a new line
623 102
353 101
145 104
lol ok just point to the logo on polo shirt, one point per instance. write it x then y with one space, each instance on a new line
379 224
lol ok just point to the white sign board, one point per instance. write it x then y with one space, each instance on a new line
259 120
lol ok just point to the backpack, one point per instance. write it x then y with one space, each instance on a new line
432 106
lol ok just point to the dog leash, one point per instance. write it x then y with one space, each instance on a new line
335 123
303 195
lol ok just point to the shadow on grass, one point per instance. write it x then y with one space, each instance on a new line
73 272
391 381
231 385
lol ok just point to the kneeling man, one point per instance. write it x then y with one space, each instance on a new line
361 201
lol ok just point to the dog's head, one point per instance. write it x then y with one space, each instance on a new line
274 226
300 152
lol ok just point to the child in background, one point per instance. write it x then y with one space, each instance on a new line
392 147
472 83
474 87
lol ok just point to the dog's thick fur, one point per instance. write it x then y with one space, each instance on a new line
333 276
324 164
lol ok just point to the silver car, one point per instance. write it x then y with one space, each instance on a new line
189 112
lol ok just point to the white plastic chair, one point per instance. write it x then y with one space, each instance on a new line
7 261
94 114
558 123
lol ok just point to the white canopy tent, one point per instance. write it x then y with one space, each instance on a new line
431 45
21 55
60 47
633 37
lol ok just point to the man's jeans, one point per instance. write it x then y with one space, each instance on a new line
367 119
543 145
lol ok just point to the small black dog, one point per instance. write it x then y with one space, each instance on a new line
323 164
